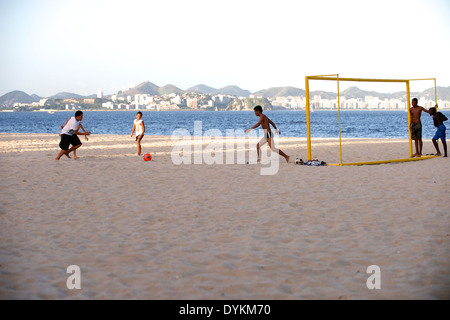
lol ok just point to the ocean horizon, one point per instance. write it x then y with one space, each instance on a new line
386 124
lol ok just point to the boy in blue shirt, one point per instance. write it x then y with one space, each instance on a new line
438 119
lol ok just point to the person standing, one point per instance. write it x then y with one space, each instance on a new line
416 126
438 119
138 125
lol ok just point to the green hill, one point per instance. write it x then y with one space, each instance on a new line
8 100
275 92
443 93
201 88
323 94
234 91
66 95
143 88
168 89
249 104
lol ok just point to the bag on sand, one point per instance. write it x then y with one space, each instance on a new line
313 163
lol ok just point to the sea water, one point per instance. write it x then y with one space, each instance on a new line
324 124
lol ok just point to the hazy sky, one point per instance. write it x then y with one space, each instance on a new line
80 46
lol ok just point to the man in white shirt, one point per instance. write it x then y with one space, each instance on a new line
69 135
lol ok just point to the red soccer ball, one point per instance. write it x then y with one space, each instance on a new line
147 157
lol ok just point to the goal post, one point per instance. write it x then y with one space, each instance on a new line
335 77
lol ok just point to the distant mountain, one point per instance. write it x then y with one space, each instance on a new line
356 93
8 100
229 90
323 94
144 88
443 93
234 91
168 89
249 104
66 95
275 92
201 88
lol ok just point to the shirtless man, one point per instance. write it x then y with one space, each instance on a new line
265 123
416 126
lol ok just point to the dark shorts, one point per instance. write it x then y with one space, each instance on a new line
137 138
440 133
67 140
416 131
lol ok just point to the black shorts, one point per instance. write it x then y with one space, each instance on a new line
137 138
67 140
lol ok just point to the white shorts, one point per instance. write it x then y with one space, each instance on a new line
267 135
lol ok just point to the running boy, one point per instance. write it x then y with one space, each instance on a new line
69 135
438 119
138 125
416 126
265 123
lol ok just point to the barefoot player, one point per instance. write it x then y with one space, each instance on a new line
265 123
69 135
416 126
438 119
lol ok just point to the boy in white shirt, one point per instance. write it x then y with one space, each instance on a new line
138 125
69 135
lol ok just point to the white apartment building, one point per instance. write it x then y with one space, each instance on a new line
42 102
142 99
176 100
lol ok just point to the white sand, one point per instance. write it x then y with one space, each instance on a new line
155 230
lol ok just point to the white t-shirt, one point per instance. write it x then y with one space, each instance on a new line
71 125
138 126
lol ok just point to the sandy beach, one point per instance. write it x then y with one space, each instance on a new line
157 230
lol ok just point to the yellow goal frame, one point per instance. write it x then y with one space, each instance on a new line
335 77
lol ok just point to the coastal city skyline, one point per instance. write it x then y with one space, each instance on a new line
353 100
81 46
149 96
